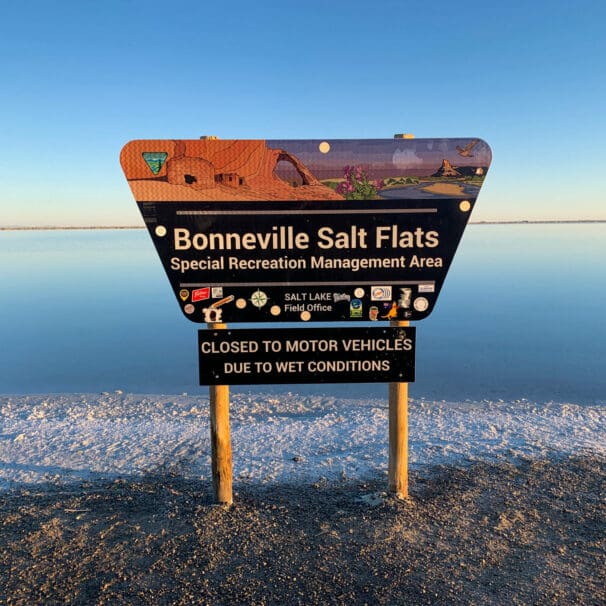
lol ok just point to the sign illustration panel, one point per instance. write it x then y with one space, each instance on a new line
306 230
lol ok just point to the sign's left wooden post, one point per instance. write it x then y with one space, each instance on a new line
220 438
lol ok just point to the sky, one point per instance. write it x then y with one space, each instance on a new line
81 79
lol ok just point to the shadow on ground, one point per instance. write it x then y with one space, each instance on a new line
529 532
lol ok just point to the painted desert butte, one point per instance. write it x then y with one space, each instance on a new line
215 170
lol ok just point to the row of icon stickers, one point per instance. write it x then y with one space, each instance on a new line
282 225
373 303
212 312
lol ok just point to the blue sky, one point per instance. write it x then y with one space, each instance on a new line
80 79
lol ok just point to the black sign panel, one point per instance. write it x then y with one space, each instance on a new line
306 355
306 230
318 261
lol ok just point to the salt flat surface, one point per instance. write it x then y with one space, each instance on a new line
290 437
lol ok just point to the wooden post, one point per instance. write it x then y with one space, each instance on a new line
220 439
398 433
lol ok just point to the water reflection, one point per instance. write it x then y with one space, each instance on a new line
520 316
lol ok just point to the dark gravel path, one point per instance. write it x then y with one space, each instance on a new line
533 532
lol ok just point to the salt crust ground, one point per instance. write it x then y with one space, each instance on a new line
276 438
106 500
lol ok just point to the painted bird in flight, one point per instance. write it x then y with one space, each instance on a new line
466 151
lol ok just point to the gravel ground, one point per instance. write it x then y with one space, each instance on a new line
529 532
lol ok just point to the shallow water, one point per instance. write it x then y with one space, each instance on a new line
519 316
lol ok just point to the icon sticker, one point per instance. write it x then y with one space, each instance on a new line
200 294
427 287
405 296
355 308
189 309
223 301
217 292
392 313
184 294
421 304
373 313
380 293
258 299
212 314
340 296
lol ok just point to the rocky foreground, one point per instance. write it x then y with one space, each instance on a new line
533 532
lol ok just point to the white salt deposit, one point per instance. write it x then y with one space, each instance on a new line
275 438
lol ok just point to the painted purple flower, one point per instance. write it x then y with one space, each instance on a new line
356 184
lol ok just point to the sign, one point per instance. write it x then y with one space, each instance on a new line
306 355
283 231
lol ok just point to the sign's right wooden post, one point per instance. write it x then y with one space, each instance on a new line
398 433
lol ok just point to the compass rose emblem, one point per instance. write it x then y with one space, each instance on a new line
258 298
